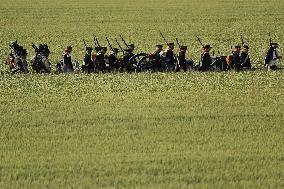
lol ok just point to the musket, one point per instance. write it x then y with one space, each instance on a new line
85 43
199 41
164 38
242 39
270 40
124 41
34 47
178 43
109 44
97 44
119 46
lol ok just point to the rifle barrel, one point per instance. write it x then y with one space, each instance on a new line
119 46
124 41
199 41
164 38
109 44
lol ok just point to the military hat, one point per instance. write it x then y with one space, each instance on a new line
246 46
115 49
23 51
183 47
69 48
89 48
40 47
171 44
127 50
274 44
46 49
207 47
159 46
238 46
98 49
131 45
104 48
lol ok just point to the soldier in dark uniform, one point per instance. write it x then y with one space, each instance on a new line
131 47
234 59
125 60
40 62
181 60
170 59
206 59
88 66
17 59
67 61
113 60
157 59
245 59
272 57
100 60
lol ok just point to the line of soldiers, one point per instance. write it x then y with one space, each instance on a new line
98 60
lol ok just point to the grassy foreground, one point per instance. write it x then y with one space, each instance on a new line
186 130
183 130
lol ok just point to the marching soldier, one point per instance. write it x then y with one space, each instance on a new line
131 47
88 66
181 61
125 60
272 57
67 61
113 60
157 59
170 58
245 59
206 59
100 60
234 59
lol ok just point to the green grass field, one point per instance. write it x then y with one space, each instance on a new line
162 130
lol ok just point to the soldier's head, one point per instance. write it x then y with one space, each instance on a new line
171 46
89 50
183 48
131 46
98 49
245 48
159 48
104 50
115 50
128 50
68 49
23 52
274 45
237 49
207 48
14 45
40 47
46 49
